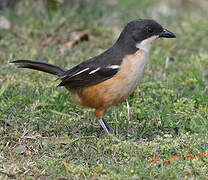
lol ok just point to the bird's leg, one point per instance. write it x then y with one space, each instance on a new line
100 112
107 128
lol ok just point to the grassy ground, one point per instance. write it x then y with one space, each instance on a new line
163 133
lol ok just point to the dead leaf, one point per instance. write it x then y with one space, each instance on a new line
48 41
77 37
67 45
62 24
4 23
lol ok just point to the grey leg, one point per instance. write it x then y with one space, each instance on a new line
107 128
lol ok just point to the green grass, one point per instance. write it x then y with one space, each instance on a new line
41 127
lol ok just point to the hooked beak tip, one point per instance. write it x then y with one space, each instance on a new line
167 34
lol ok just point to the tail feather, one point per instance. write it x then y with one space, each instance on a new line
41 66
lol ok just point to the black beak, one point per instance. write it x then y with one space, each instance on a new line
166 34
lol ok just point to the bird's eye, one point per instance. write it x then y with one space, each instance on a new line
150 30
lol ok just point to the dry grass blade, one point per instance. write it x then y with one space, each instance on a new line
63 114
67 166
4 87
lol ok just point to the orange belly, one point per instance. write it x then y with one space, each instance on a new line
103 95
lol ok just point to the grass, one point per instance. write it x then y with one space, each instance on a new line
44 135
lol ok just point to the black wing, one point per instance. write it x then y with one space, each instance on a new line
86 76
93 71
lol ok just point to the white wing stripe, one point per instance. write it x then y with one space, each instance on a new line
94 70
113 67
81 71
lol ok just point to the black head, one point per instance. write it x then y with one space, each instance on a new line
139 30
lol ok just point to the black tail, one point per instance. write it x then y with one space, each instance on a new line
41 66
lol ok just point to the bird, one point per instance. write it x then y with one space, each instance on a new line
107 79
